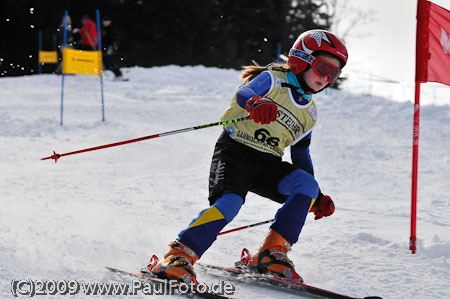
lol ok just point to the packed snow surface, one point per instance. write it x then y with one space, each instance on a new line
118 206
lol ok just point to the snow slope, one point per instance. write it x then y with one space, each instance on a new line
118 206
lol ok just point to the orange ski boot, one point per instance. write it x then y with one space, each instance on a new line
271 258
177 264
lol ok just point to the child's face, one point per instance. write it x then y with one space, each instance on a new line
315 81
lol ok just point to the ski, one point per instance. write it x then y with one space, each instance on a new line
242 274
161 286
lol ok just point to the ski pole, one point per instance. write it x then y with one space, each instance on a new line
244 227
56 156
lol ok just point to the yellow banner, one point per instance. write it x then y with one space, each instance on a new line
82 62
48 57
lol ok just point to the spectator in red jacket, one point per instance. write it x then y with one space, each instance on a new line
88 34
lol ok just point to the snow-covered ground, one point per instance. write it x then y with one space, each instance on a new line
118 206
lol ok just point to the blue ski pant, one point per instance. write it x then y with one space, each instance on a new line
301 189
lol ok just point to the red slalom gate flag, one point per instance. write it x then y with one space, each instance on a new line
432 65
433 43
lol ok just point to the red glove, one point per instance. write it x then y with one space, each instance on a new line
262 110
323 206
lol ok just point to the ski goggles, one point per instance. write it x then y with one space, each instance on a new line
321 67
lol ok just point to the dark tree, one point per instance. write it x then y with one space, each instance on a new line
225 33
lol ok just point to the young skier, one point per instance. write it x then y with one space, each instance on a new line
247 157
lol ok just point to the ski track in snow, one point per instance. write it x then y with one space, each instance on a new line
116 207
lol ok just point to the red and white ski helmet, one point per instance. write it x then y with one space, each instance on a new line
313 41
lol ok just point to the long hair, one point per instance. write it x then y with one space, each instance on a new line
251 71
